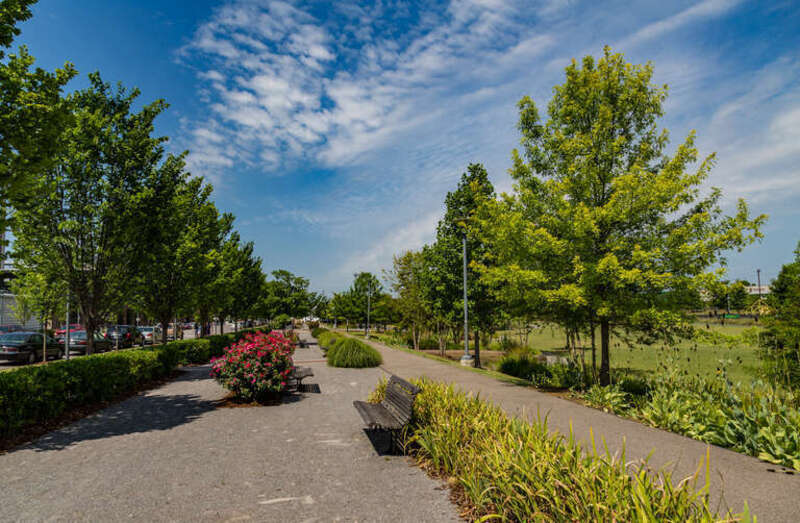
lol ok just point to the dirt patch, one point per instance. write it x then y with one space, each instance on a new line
33 432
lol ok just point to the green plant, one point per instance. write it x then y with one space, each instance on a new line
610 398
509 469
36 394
255 368
353 353
316 331
522 365
193 350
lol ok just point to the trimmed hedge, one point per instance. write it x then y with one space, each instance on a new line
39 393
353 353
35 394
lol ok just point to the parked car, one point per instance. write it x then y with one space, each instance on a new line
72 328
151 335
77 342
124 335
26 347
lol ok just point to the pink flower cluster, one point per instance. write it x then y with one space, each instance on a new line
256 367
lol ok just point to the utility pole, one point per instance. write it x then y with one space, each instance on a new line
466 359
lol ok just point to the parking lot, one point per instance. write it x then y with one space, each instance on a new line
106 341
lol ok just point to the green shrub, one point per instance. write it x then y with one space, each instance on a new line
316 331
610 399
193 350
353 353
256 368
328 339
522 365
218 343
36 394
509 469
759 420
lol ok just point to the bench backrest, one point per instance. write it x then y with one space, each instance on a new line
399 398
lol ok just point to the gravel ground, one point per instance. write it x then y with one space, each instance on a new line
172 455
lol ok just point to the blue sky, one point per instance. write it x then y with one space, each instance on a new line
333 130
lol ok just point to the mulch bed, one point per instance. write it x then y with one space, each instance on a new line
230 401
33 432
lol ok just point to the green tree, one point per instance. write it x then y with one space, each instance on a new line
32 114
780 341
603 226
181 234
365 288
286 294
90 209
407 280
241 280
342 307
446 258
39 294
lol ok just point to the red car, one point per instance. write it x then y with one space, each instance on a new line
72 328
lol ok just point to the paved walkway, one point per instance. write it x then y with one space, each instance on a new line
772 496
172 455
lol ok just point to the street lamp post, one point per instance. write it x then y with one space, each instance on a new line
66 347
369 296
466 359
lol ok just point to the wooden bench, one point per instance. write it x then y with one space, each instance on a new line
394 412
299 374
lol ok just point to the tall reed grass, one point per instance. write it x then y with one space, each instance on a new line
508 469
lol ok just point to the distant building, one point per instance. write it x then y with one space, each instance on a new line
757 290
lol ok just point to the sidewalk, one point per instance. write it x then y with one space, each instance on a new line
172 455
773 495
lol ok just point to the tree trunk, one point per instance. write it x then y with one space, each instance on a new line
594 353
477 349
605 366
222 326
91 328
165 324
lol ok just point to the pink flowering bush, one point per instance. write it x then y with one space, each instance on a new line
257 367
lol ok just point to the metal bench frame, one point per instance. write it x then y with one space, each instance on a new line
392 414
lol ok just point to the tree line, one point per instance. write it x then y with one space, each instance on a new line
102 214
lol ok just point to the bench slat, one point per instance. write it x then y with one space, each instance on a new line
376 416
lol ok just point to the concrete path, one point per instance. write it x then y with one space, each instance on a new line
772 494
172 455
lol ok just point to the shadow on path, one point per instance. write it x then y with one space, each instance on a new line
138 414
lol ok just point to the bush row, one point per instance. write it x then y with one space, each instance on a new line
38 393
510 469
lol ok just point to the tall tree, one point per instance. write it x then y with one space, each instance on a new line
407 279
461 205
780 341
287 294
603 225
32 114
89 211
366 287
182 232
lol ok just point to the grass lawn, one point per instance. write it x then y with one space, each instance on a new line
693 357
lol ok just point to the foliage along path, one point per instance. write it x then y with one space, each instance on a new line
771 493
172 454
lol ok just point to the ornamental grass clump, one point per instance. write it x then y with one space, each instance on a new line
353 354
507 469
256 368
